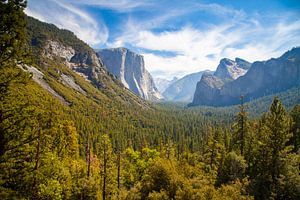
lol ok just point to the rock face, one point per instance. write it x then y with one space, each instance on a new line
129 68
163 84
183 89
209 86
84 62
38 77
263 78
229 70
57 50
54 48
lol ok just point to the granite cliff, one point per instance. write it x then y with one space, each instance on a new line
130 69
263 78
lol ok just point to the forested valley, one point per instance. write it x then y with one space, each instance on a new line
109 144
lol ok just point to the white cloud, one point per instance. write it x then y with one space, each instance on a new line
118 5
69 17
199 49
219 10
192 46
237 34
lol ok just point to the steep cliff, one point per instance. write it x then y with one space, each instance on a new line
263 78
129 68
209 86
229 70
61 58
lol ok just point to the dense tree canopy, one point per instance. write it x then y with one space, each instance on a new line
97 147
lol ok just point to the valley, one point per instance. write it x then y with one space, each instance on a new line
80 123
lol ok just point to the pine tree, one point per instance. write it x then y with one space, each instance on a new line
295 140
275 132
278 125
12 31
12 39
241 128
108 168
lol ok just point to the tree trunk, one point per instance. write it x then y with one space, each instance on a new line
88 157
104 172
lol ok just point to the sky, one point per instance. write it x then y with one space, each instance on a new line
178 37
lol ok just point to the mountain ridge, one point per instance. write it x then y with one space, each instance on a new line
263 78
183 88
57 51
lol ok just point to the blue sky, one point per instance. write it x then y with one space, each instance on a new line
178 37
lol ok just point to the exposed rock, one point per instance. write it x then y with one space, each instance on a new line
243 63
38 77
211 85
263 78
129 68
85 63
229 69
59 48
69 81
54 48
184 88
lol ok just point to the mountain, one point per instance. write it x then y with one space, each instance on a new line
129 68
162 84
229 70
71 130
184 88
61 60
263 78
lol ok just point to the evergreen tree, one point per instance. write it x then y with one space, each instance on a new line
12 39
12 31
273 150
107 168
234 168
241 129
295 140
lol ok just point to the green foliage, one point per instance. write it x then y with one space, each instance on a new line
107 167
295 114
161 177
273 149
12 31
40 33
109 144
136 163
233 168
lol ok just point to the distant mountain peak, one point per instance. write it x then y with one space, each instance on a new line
263 78
294 53
182 90
231 70
226 61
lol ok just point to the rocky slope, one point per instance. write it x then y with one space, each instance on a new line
263 78
62 58
129 68
183 89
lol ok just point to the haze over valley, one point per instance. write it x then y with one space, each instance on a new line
125 99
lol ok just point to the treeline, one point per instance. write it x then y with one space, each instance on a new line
41 159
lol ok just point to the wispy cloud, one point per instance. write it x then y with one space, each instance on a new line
118 5
197 49
194 35
69 17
